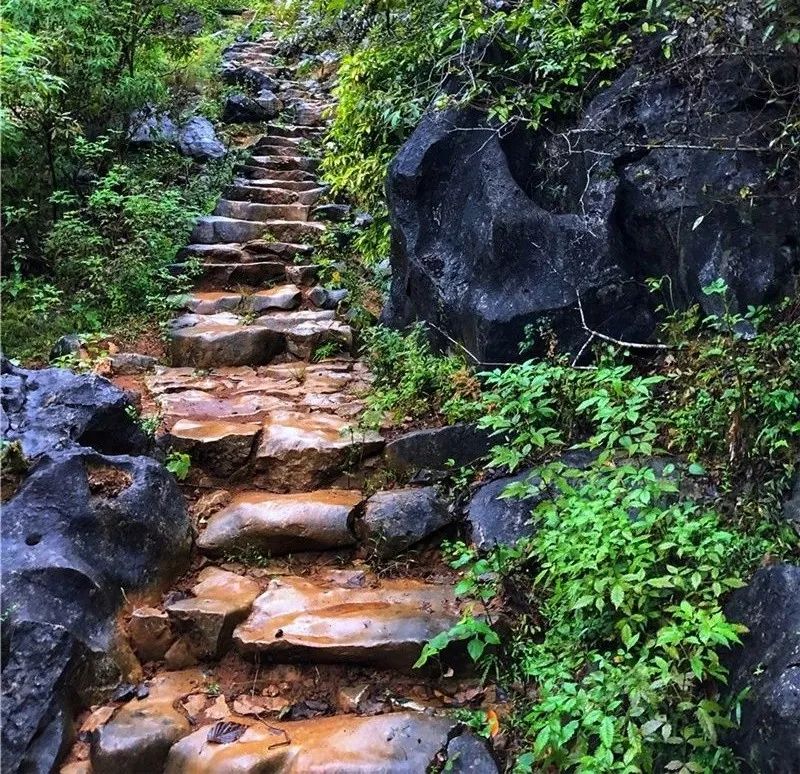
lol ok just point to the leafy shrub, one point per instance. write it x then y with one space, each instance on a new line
412 381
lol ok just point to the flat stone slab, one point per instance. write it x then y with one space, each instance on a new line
212 302
384 625
395 743
223 339
302 451
139 736
280 524
220 600
213 229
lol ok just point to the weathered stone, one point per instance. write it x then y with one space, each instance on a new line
127 363
198 139
396 743
303 451
269 102
81 528
197 404
336 213
53 408
791 507
396 519
220 446
768 737
241 109
211 302
148 127
433 448
304 331
384 625
205 341
279 524
149 633
282 297
221 600
70 344
140 735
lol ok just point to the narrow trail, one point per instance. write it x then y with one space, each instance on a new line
282 627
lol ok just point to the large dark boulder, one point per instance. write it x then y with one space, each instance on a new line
241 109
768 664
55 409
82 529
496 230
91 518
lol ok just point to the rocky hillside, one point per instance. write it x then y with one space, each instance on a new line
424 388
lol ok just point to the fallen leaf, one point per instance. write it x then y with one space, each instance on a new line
219 709
244 705
99 717
226 732
194 704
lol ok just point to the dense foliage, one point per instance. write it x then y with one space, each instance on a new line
617 599
89 224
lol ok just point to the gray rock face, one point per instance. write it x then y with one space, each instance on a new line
769 663
54 409
131 363
430 449
198 139
396 519
491 233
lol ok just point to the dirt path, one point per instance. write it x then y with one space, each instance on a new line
284 628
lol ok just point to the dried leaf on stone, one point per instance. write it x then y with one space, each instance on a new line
244 705
99 717
194 704
219 709
225 732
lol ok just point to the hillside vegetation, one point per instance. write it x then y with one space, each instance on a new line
608 633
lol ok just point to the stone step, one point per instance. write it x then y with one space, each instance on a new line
289 450
217 229
268 147
263 194
349 620
198 405
285 162
300 186
257 211
394 743
252 172
280 524
253 274
222 447
300 132
227 339
254 250
276 141
283 297
298 451
205 620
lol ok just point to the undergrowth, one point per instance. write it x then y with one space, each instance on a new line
615 603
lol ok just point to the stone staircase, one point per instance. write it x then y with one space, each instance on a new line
312 646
